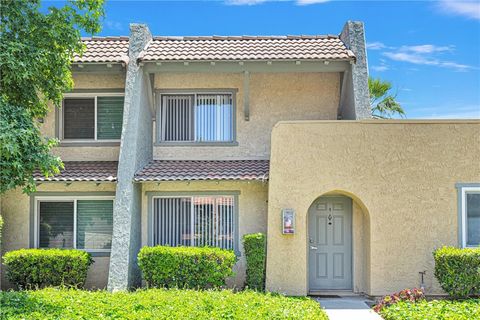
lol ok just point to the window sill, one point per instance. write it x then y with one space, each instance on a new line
99 253
65 143
196 144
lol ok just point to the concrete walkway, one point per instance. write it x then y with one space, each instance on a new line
347 308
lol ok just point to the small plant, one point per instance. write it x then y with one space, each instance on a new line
407 295
38 268
255 253
458 270
186 267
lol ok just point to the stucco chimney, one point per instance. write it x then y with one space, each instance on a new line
353 35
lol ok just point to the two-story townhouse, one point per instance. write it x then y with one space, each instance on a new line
197 141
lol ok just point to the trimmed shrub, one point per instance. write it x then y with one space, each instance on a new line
458 270
155 304
38 268
406 295
435 310
255 253
186 267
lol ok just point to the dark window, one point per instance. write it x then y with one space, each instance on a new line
56 224
79 118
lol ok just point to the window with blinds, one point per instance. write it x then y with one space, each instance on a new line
93 118
194 221
75 223
196 118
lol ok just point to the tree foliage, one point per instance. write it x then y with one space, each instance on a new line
383 103
36 51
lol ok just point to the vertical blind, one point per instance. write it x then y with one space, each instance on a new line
197 117
109 117
177 118
94 224
56 224
194 221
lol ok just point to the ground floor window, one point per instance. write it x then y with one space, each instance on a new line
194 221
80 223
470 216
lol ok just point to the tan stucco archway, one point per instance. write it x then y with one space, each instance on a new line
360 240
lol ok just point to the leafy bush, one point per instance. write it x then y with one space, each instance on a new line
255 253
406 295
38 268
155 304
458 270
185 267
436 309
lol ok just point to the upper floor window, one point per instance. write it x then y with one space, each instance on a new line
196 117
74 222
91 118
469 198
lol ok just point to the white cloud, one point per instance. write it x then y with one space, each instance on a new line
425 54
469 9
376 45
380 68
309 2
244 2
113 25
450 112
426 48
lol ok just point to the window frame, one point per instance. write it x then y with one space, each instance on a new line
66 198
89 95
463 189
152 195
159 93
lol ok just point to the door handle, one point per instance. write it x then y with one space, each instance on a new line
313 248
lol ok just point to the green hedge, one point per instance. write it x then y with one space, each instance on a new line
436 309
155 304
458 270
38 268
185 267
255 254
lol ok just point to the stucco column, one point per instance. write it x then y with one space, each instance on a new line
355 102
135 152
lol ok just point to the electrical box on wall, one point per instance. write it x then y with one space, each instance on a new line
288 221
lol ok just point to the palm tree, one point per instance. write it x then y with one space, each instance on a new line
382 101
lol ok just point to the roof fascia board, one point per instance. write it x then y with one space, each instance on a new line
98 67
250 66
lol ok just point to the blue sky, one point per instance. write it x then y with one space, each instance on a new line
429 50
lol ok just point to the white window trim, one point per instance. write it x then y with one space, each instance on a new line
463 193
91 96
192 222
74 199
194 95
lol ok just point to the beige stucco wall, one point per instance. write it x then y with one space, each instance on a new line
400 174
16 232
252 209
85 153
273 97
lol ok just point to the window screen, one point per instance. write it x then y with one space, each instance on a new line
79 118
56 224
194 221
109 117
177 118
94 224
473 218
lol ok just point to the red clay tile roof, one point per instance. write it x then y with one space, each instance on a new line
247 48
104 49
97 171
174 170
115 49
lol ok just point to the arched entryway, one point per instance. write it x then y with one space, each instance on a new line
338 244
